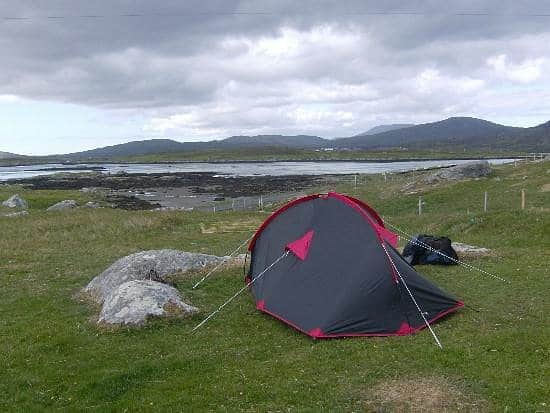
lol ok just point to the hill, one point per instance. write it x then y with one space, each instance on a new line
158 146
386 128
8 155
128 149
298 141
453 134
457 132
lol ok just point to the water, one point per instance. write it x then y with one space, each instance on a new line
236 168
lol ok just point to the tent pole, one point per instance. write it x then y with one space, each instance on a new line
240 291
221 263
413 299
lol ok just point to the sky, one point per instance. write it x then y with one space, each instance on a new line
80 75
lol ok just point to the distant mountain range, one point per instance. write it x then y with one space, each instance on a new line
457 132
386 128
453 133
8 155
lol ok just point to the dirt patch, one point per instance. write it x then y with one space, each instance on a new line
545 188
421 394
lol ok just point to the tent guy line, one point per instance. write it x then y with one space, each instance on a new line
411 238
222 262
413 299
240 291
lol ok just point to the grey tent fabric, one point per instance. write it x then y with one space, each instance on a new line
339 277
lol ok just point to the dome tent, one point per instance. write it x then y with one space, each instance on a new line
326 265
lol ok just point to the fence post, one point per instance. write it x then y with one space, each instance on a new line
355 184
419 205
485 202
244 203
523 199
233 204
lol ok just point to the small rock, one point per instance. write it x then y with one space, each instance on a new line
91 204
66 204
134 301
93 190
15 201
154 265
16 214
468 170
465 249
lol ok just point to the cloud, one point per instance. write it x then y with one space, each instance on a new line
9 99
527 71
202 70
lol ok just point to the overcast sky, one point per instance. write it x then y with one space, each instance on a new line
78 75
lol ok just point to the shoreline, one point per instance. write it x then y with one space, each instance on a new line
262 161
177 190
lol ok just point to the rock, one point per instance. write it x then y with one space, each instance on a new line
133 301
93 190
465 249
91 204
66 204
468 170
15 201
147 265
16 214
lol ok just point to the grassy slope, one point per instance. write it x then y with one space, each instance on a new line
53 356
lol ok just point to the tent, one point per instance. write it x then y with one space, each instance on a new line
326 265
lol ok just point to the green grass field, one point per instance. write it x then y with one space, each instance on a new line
54 357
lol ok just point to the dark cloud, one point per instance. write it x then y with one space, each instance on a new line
217 67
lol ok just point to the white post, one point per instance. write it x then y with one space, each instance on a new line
485 202
419 205
385 178
523 199
244 203
233 204
355 183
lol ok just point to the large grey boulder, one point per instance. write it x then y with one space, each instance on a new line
63 205
15 201
475 169
153 265
134 301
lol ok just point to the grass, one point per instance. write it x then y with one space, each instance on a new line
55 358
